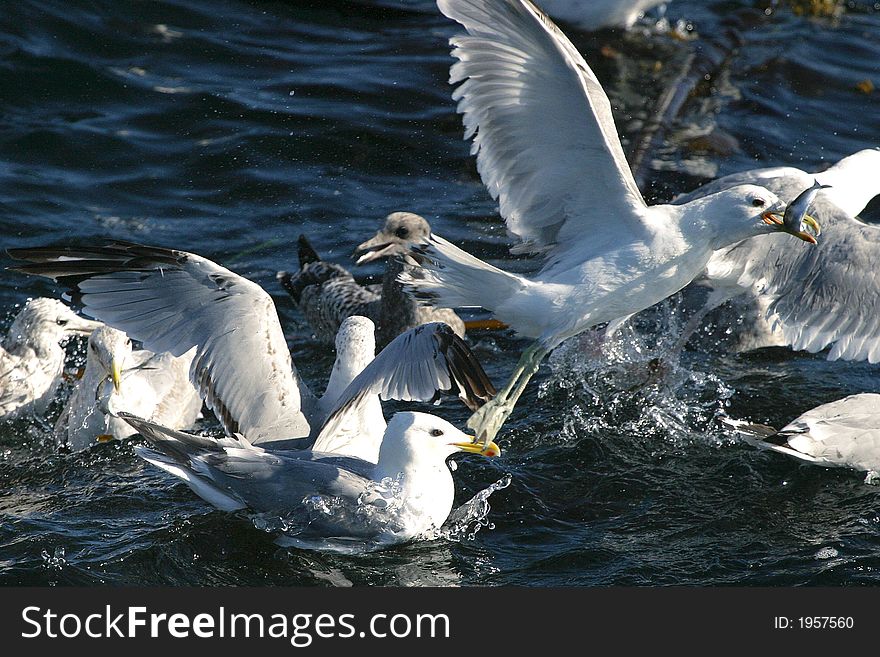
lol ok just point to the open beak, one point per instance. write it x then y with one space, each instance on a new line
775 219
375 248
477 447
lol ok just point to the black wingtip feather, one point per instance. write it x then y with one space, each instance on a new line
474 386
306 252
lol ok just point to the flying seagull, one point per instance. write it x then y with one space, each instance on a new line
548 150
598 14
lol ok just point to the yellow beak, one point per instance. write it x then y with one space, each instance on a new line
477 447
115 375
773 219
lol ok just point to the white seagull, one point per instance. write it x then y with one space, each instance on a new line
843 433
547 149
806 298
174 301
407 493
118 378
32 358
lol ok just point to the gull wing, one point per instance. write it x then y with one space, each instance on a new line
542 129
827 296
175 301
231 474
845 432
417 365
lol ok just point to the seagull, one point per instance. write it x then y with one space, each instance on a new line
407 493
843 433
116 377
174 301
809 299
31 356
547 149
326 293
599 14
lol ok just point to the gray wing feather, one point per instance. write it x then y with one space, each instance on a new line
823 296
416 366
276 481
175 301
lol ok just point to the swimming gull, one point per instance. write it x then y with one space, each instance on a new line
806 298
175 301
407 493
326 293
598 14
31 356
842 433
547 149
118 378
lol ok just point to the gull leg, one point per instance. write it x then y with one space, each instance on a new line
488 420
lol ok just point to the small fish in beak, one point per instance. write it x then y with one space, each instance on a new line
796 221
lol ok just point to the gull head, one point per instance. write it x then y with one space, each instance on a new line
400 231
415 439
748 210
109 350
47 319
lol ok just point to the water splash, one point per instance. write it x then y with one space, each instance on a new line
54 562
465 521
634 382
372 523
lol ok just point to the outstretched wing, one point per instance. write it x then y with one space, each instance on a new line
417 365
175 301
827 296
543 132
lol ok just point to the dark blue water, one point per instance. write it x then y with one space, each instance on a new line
229 128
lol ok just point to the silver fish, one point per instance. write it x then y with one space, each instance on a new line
796 218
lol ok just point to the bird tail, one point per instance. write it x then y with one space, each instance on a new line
449 277
764 437
306 252
179 454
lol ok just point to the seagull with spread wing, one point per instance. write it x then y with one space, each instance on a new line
547 149
177 302
809 299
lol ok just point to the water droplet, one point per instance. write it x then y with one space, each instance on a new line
826 553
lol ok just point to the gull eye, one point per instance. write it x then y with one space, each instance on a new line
758 202
436 433
62 322
128 342
402 232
